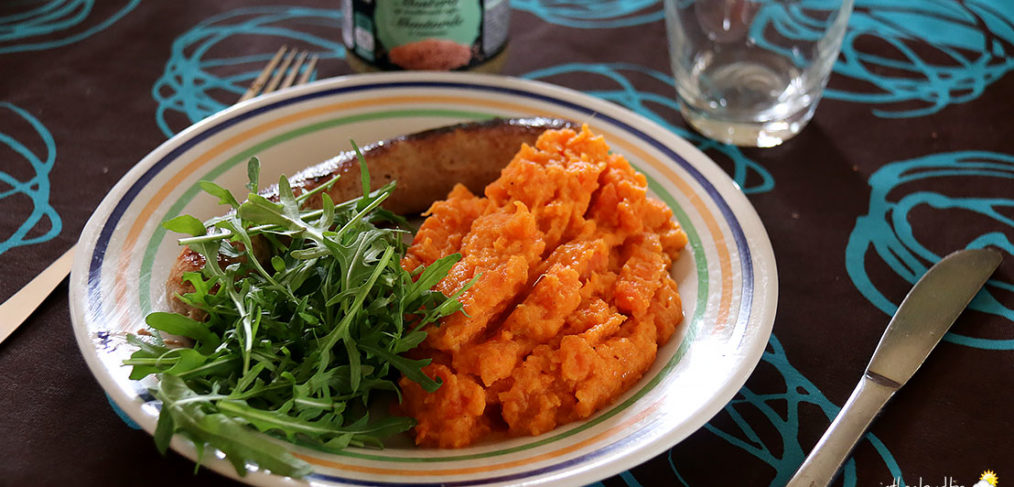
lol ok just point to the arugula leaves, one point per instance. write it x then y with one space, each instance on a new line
297 340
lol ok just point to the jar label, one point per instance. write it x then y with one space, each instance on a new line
425 34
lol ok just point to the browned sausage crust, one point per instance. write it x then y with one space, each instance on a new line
426 165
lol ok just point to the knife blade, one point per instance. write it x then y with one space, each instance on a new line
925 315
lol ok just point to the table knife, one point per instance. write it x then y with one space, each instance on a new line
929 309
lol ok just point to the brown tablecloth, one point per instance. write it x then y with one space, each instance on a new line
910 156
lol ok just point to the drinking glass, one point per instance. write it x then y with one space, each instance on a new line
750 72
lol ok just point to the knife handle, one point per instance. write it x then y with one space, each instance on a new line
841 437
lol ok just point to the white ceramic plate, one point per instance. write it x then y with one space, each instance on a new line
727 278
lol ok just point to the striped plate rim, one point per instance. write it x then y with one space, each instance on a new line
91 272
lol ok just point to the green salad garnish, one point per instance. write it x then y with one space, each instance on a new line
295 343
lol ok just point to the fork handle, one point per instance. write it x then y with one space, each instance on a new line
841 437
22 304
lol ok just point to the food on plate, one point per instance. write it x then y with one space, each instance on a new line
532 306
426 165
297 307
296 336
569 261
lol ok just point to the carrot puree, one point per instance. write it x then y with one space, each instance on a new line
573 299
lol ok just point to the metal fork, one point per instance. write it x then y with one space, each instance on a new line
23 303
276 72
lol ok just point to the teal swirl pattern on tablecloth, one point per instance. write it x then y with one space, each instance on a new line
898 190
950 51
35 26
43 223
593 14
198 81
943 53
785 457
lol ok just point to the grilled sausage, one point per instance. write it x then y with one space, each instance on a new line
426 165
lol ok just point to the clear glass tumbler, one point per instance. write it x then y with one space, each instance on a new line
750 72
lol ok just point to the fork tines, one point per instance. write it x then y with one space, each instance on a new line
282 71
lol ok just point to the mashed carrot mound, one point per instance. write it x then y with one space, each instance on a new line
573 300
